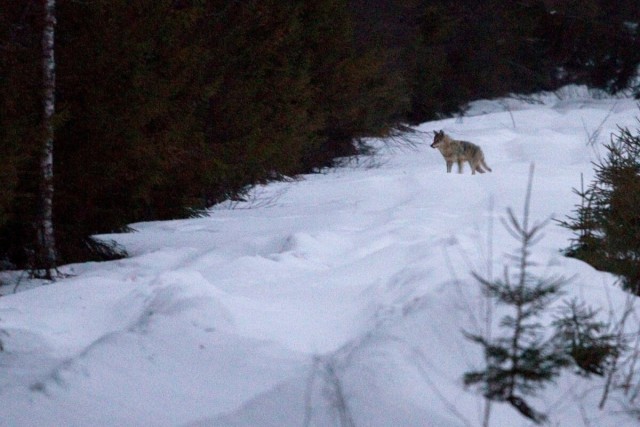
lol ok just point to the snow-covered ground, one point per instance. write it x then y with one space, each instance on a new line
336 299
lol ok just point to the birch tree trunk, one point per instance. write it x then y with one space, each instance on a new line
46 233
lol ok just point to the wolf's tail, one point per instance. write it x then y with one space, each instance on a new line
484 164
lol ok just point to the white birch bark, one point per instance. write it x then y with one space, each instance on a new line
47 238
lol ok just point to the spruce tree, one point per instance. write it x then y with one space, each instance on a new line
607 221
259 121
356 90
133 83
588 341
522 359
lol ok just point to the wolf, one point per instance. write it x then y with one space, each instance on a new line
459 151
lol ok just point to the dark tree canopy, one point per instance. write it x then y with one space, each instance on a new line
165 107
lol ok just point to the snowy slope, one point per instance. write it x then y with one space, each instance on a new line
335 299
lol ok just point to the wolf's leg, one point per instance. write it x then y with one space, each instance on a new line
460 166
449 166
472 166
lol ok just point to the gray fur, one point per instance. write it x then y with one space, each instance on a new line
460 151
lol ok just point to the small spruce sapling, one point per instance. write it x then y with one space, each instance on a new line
587 341
522 359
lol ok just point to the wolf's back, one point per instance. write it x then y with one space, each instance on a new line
469 149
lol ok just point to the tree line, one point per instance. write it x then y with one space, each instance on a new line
166 107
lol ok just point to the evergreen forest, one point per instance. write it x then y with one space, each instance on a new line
164 108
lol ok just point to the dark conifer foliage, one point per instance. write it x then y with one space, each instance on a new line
473 49
131 88
607 221
476 49
595 42
259 118
589 342
356 88
164 107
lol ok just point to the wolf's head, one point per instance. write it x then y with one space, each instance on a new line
438 138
